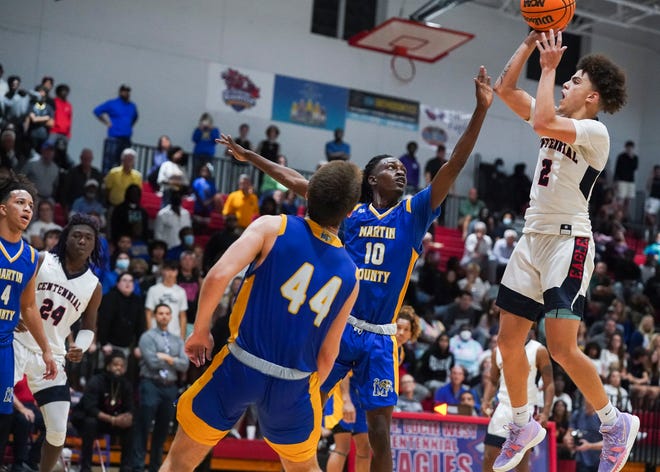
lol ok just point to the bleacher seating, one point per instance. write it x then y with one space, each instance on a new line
452 241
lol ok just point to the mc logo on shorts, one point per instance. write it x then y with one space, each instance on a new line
382 388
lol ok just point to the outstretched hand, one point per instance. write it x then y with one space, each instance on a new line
234 149
550 49
484 89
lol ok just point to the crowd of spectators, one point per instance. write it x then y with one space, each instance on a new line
153 269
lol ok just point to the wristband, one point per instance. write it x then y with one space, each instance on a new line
84 339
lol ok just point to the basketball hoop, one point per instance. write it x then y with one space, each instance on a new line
411 40
400 55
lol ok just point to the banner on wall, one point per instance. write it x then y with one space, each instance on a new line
423 442
308 103
239 90
441 126
383 110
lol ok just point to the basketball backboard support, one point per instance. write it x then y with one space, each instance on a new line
411 39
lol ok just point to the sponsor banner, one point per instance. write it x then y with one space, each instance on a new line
425 442
383 110
239 90
308 103
441 126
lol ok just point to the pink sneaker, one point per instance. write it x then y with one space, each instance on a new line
618 440
521 439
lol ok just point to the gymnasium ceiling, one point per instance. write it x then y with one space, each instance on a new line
631 21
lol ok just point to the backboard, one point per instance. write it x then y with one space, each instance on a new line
411 39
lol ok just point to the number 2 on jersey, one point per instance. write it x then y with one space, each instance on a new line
47 311
295 290
544 175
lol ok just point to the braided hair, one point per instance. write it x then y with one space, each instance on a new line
80 219
367 195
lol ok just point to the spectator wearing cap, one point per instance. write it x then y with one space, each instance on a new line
73 182
205 192
119 115
119 178
43 171
89 202
502 250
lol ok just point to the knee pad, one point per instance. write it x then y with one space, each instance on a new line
55 419
55 438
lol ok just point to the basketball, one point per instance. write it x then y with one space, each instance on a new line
543 15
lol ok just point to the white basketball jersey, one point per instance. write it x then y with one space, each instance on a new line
564 177
60 301
531 348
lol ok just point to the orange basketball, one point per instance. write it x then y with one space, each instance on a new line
543 15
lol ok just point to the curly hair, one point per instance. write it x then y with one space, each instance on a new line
332 193
79 219
12 182
408 313
608 79
367 195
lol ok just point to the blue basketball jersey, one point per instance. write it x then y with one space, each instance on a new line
18 262
384 246
286 305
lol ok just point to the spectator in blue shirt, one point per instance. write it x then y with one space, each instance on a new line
119 115
338 150
205 190
204 138
451 392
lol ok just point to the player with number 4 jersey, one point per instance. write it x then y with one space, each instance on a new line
66 290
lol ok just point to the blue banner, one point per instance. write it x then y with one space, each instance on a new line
308 103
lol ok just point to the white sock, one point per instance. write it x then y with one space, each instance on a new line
608 414
520 415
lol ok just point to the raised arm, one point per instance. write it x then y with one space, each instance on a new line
255 242
287 176
506 86
447 174
546 121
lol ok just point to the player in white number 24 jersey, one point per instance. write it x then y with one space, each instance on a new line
66 290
